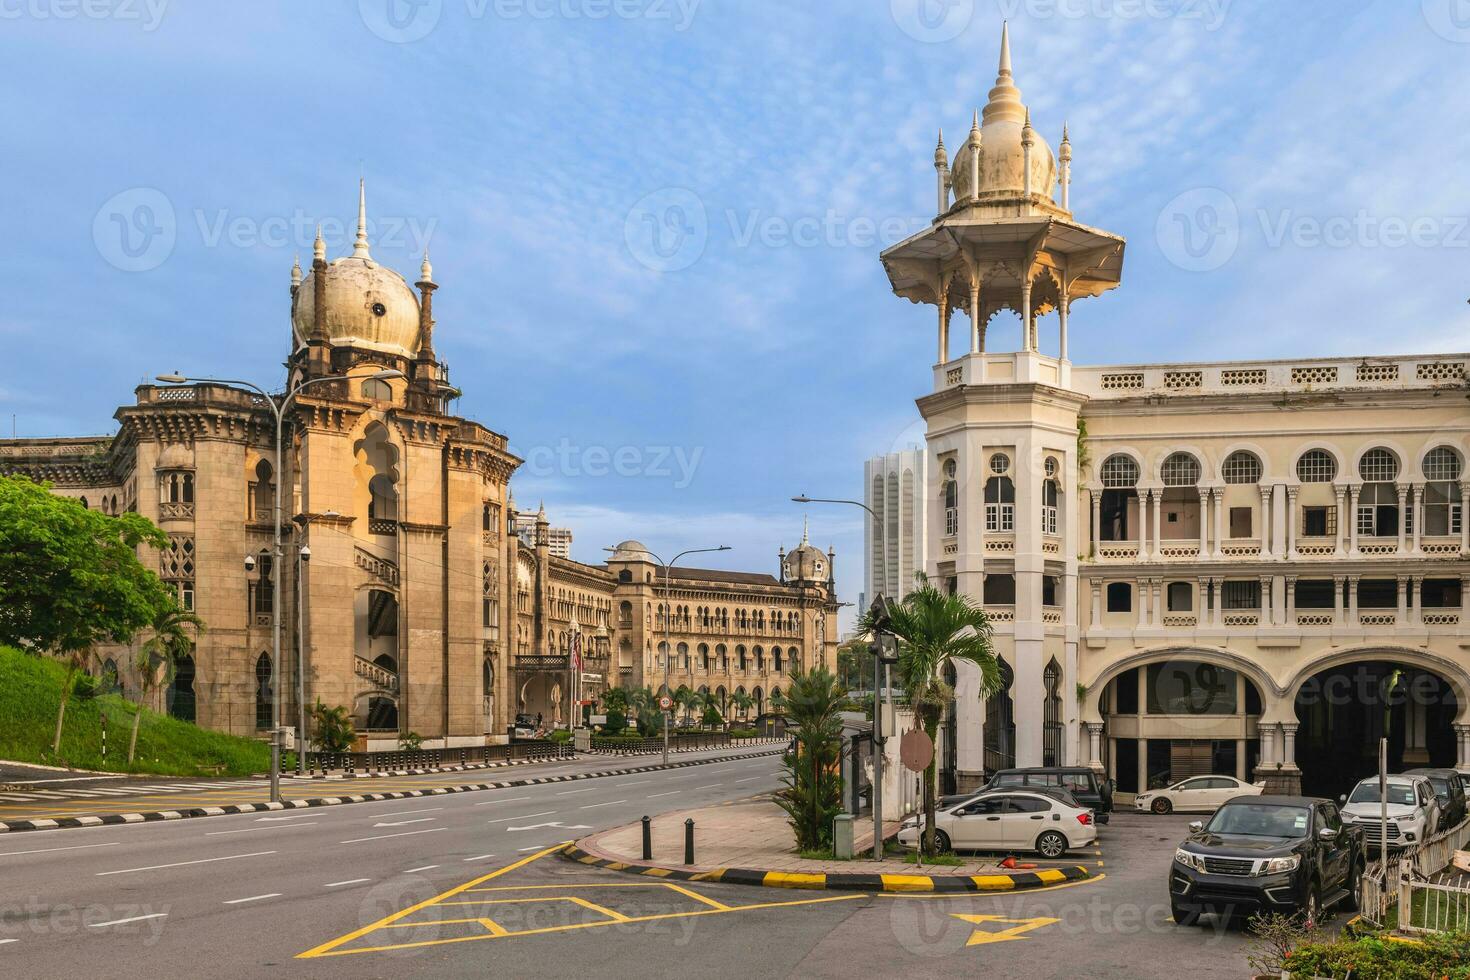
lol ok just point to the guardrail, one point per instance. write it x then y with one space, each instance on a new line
683 742
472 755
1408 875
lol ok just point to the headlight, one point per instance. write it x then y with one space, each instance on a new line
1189 859
1279 865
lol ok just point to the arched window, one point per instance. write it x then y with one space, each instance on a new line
1000 503
1119 471
111 679
1052 729
760 658
1316 466
1180 470
263 691
740 658
1378 502
1120 597
262 492
377 390
1050 493
1241 467
1119 474
951 495
776 659
83 502
683 650
722 658
1442 469
1000 722
1181 597
704 657
180 694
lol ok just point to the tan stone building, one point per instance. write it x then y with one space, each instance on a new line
418 607
1191 568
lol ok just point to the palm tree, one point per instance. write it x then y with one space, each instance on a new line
936 630
159 656
681 699
742 703
813 789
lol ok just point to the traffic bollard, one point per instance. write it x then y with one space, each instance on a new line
647 839
689 841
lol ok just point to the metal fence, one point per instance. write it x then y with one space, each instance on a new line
1428 899
682 742
472 755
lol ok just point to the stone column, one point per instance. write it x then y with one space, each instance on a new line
1418 518
1096 521
1142 591
943 307
1158 592
1218 496
1204 522
1342 520
1265 530
1157 506
1218 587
1291 600
975 344
1403 492
1352 517
1416 600
1288 745
1094 745
1062 310
1202 604
1266 617
1464 601
1291 495
1352 582
1096 604
1142 765
1337 608
1268 759
1143 497
1465 519
1027 341
1403 611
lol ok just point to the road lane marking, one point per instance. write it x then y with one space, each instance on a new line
479 857
749 779
403 813
70 847
404 823
349 881
513 799
253 898
406 833
657 795
180 864
636 782
136 918
593 806
710 786
523 816
574 792
4 941
251 830
427 867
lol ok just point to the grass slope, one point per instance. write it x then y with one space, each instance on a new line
29 689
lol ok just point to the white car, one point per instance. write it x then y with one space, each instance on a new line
1413 811
1198 794
1007 821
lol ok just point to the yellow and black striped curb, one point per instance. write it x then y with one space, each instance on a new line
1008 882
185 813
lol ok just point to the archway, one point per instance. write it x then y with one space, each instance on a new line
1000 722
181 689
1343 710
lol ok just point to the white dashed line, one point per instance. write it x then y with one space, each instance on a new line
479 857
136 918
750 779
523 816
636 782
710 786
349 881
71 847
513 799
406 833
180 864
574 792
4 941
251 830
253 898
594 806
657 795
427 867
403 813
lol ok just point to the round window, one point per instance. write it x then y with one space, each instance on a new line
379 309
1051 466
999 463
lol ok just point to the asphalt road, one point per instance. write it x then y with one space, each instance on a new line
464 885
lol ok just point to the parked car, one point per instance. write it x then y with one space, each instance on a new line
1198 794
1055 792
1464 775
1413 811
1269 854
1007 821
1090 789
1449 793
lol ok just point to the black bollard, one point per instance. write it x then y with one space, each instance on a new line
689 841
647 839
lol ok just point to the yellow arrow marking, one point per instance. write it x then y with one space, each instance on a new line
1017 928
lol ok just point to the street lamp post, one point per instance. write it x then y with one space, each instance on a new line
303 555
278 411
669 612
880 677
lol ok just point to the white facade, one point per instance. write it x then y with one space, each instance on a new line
895 488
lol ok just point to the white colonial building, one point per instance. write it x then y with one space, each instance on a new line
1253 567
893 542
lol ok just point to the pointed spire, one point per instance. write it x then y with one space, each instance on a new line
319 247
426 271
1005 98
1027 133
296 271
1005 48
1064 152
941 156
360 247
804 538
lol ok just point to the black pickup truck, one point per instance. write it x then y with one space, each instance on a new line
1268 854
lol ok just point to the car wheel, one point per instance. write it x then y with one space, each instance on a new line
1051 844
1354 901
941 842
1162 806
1183 917
1313 908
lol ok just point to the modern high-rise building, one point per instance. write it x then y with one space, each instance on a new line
1253 568
893 545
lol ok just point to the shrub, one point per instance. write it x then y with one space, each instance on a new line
560 735
1435 956
411 742
333 728
616 721
712 716
742 733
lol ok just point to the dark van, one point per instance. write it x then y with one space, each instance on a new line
1087 786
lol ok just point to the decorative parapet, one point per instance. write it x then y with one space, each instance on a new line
1316 374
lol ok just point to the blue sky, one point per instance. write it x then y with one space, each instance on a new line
680 389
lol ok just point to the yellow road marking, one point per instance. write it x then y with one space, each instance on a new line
791 879
327 947
1023 891
615 916
1017 927
696 896
907 883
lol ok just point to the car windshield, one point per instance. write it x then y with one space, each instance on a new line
1399 794
1259 820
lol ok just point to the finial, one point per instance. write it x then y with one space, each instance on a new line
975 122
1005 47
1066 138
804 539
319 247
941 156
1005 98
426 271
360 247
1026 130
296 271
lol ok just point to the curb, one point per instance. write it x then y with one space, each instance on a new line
956 884
110 819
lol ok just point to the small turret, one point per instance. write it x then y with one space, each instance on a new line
1064 156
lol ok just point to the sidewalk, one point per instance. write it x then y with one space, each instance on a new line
749 842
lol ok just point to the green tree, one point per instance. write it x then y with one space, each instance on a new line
334 732
855 665
159 657
742 703
70 578
681 697
812 793
936 630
